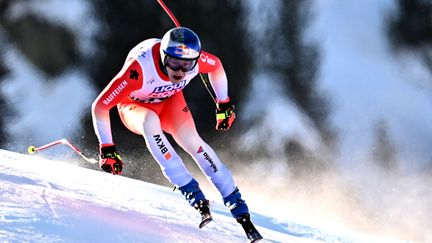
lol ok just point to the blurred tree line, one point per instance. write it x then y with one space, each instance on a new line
411 28
53 49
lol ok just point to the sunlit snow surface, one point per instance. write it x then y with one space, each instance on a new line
52 201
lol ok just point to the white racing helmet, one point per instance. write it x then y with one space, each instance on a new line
180 43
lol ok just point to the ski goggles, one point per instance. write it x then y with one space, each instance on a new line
176 64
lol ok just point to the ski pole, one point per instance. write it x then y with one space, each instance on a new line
32 149
203 77
207 85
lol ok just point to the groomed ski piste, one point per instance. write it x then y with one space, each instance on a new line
43 200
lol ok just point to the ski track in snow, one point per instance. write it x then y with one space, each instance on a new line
52 201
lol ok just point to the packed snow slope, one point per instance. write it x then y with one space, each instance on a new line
52 201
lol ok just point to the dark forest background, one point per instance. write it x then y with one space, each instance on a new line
302 180
220 24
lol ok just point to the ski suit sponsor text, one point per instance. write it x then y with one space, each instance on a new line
161 146
115 92
210 160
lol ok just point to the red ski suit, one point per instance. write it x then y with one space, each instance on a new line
150 104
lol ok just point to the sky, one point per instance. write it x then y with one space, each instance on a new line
57 201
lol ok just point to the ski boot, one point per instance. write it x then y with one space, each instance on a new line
251 232
203 208
196 199
240 212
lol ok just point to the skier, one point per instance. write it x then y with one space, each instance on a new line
149 98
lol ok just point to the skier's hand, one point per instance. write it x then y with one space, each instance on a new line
110 161
225 115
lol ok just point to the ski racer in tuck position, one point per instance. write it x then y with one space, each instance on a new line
149 98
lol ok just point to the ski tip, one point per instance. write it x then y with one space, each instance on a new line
257 239
31 150
254 237
205 222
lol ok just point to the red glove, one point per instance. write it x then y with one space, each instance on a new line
225 115
110 161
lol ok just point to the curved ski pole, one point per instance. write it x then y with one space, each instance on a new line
32 149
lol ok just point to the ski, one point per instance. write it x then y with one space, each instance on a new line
206 218
251 232
254 236
203 207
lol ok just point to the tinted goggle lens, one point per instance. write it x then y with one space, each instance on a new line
179 64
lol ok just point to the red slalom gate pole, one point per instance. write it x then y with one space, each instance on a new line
168 11
32 149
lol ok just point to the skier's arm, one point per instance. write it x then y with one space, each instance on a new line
127 80
211 65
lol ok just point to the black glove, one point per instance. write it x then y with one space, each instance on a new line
110 161
225 115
